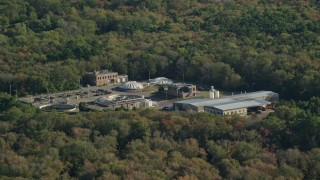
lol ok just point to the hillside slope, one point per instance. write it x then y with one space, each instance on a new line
46 45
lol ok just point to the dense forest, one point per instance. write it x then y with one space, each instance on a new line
149 144
46 45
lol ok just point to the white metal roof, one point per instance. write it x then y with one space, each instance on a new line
131 85
238 97
161 81
239 104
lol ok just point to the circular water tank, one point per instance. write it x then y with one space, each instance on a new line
131 85
59 107
160 81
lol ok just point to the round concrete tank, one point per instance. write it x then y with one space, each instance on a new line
160 81
59 107
131 85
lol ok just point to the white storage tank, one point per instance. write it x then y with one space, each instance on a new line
149 103
217 94
211 92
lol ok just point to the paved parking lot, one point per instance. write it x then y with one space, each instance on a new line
88 94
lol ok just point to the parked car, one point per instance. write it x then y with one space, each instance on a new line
165 108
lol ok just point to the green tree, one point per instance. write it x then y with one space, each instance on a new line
63 78
76 153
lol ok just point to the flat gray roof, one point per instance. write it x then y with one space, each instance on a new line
226 99
239 104
100 72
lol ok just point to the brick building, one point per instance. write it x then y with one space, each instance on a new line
103 77
182 90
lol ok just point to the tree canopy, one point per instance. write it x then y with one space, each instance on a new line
150 144
230 44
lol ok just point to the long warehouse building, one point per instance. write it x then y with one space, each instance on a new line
228 105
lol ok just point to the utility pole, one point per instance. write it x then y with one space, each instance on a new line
16 92
183 77
177 93
166 94
252 86
10 89
166 89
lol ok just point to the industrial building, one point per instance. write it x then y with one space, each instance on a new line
240 104
182 90
119 101
103 77
72 101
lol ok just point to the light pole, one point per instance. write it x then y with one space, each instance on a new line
166 89
183 77
252 86
177 93
16 92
